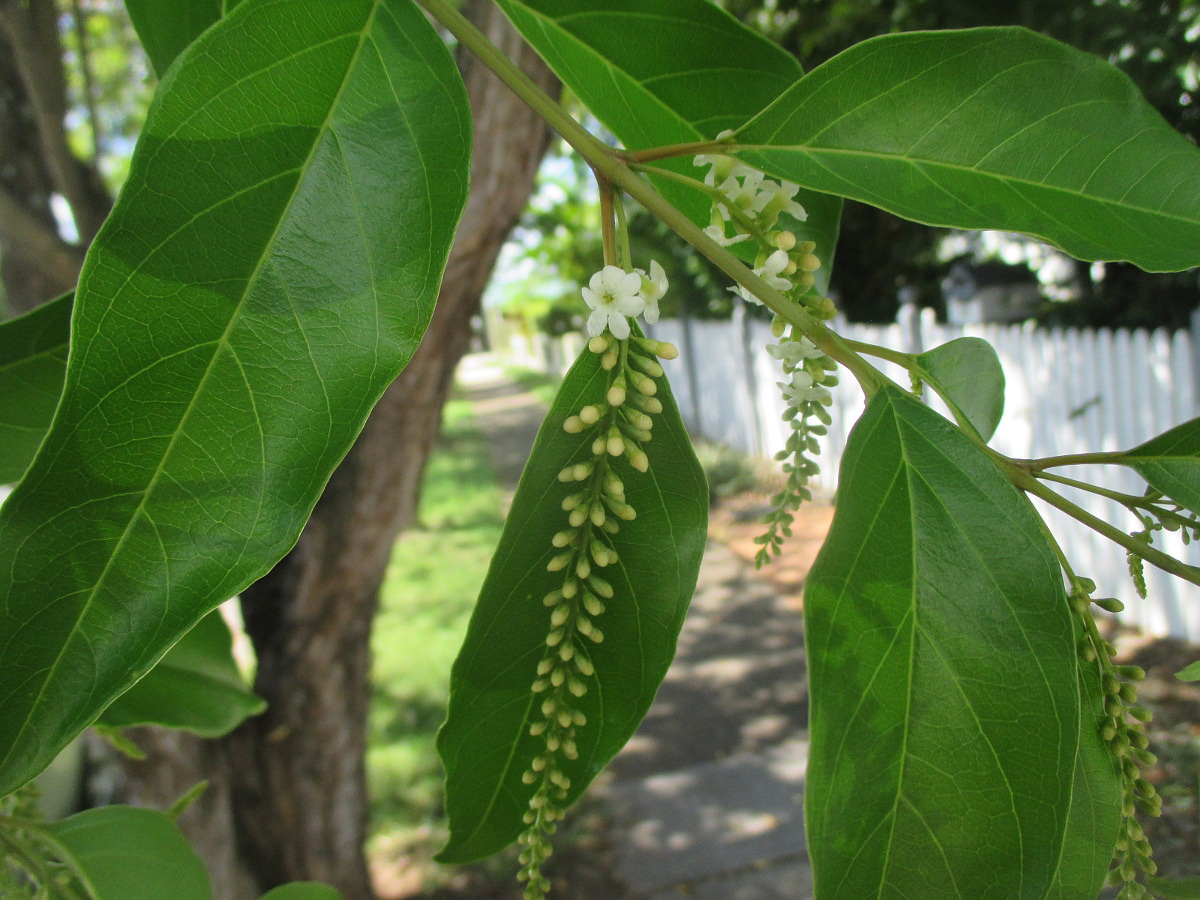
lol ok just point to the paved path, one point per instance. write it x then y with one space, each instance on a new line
705 801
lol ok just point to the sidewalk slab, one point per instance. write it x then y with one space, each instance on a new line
713 819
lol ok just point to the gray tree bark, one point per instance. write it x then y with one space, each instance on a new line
287 796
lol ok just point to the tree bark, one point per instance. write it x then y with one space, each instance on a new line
289 785
36 162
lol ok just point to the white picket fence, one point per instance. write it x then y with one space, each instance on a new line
1068 391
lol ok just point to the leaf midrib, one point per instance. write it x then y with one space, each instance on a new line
817 151
221 343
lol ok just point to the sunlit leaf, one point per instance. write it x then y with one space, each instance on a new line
996 128
660 72
944 716
969 372
269 268
485 743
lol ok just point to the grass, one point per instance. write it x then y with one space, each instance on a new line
432 581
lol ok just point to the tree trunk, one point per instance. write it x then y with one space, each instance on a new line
292 780
36 264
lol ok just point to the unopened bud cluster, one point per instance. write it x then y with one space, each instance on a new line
810 375
596 506
1157 514
1123 728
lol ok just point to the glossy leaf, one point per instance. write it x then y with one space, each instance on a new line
33 358
1170 463
1094 815
269 268
196 687
992 128
969 373
944 699
485 744
303 890
660 72
127 853
167 29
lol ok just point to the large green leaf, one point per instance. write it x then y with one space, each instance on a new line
660 72
126 853
269 268
968 372
33 358
197 686
485 743
943 677
167 29
992 128
1170 463
1094 815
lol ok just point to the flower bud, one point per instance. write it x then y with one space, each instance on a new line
573 425
599 343
589 415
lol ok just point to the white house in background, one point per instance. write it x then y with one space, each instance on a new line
990 292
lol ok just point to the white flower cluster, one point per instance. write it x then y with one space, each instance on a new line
615 296
809 374
748 192
749 206
614 427
803 386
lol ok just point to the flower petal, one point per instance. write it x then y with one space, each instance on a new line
619 326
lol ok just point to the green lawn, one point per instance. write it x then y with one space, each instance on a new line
431 585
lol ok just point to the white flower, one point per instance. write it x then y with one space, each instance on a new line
741 188
775 197
654 286
793 353
717 233
613 294
803 388
770 271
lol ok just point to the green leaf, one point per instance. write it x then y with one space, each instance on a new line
33 358
992 128
196 687
1189 673
1094 816
943 677
269 268
303 890
661 72
127 853
1170 463
167 29
969 373
485 743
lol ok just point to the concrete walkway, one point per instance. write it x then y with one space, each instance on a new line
706 800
